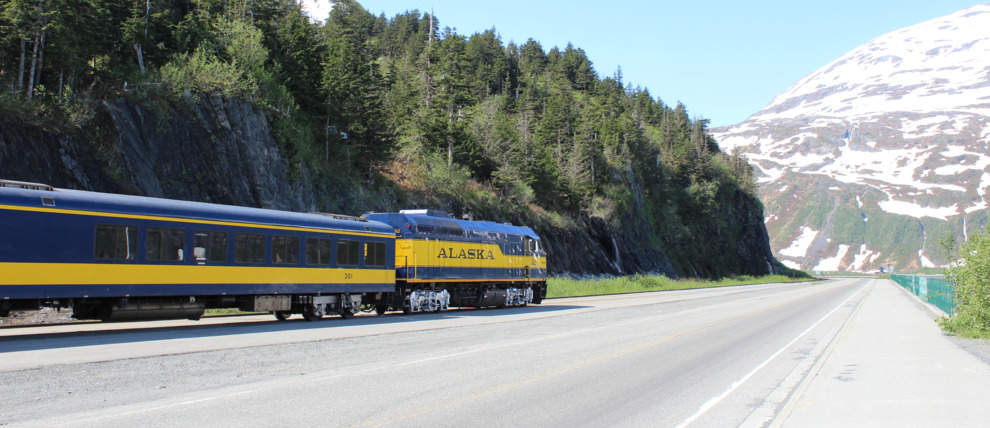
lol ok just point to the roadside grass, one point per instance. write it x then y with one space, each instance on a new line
228 312
955 326
567 287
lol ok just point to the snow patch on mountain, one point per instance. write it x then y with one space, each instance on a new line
982 191
917 211
792 264
799 247
833 263
862 257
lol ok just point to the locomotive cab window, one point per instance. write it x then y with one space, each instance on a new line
374 254
285 250
348 252
318 251
166 244
210 246
114 242
249 248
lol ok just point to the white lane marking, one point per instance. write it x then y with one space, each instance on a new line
735 385
183 403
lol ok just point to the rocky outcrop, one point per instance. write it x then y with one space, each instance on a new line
590 246
220 151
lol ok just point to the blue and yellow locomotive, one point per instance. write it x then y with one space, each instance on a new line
441 261
116 257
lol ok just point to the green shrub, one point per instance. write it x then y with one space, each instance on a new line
971 275
204 72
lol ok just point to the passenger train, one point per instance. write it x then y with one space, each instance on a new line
115 257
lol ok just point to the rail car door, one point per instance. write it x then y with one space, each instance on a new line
425 262
380 260
531 255
516 250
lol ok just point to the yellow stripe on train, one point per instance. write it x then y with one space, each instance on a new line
435 253
95 273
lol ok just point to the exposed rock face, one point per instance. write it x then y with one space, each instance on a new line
223 151
30 153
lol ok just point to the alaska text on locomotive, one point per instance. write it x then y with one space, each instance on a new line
466 254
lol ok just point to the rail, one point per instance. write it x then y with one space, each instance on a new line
934 289
25 185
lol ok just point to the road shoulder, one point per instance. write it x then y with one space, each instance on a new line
893 367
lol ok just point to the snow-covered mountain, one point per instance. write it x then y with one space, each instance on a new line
876 157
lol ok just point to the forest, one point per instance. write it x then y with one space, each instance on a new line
469 122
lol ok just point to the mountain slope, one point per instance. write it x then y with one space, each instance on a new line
875 157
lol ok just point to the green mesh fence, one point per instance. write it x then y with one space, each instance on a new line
935 289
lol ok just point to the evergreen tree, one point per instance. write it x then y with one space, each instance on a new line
356 115
579 70
532 59
488 65
297 53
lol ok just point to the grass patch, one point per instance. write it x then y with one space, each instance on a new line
566 287
228 311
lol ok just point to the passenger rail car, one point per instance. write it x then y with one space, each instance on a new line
117 257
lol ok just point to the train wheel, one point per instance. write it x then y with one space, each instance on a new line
282 315
346 314
311 314
381 309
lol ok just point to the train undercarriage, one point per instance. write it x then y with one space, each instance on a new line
408 299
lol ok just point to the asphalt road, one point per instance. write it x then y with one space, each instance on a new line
714 357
